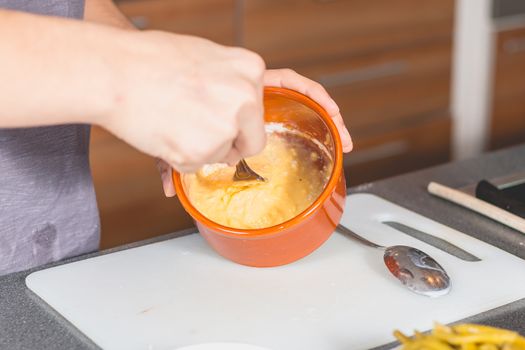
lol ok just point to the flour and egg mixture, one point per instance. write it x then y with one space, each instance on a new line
296 171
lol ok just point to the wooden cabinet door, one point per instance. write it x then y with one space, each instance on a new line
129 193
383 91
290 31
211 19
508 105
418 145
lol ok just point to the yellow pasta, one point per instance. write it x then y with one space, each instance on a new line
462 337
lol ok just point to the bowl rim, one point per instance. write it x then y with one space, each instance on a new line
299 218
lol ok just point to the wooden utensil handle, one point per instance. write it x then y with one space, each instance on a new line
477 205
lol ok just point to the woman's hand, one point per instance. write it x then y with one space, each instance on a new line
187 100
289 79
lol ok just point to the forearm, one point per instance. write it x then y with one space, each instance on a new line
106 12
55 70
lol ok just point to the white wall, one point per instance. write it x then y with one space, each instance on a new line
471 77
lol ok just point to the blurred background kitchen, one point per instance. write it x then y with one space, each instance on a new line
419 83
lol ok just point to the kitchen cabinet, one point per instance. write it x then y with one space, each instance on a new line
129 193
211 19
414 145
377 92
508 95
290 32
387 64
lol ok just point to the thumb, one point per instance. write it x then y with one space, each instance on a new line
167 178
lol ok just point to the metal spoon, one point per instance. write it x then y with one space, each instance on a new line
414 268
244 173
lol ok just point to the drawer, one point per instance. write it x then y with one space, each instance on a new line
413 147
381 90
508 103
129 193
288 31
510 63
211 19
508 121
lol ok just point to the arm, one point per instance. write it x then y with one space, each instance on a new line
54 70
106 12
183 99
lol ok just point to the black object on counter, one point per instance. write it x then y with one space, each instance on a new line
507 199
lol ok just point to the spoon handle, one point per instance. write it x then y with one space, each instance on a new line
347 232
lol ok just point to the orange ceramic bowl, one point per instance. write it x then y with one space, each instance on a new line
301 235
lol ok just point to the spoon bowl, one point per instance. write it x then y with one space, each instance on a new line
417 270
244 173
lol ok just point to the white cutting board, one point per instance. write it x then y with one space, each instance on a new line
180 292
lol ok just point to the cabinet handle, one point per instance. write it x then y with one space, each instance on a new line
383 151
364 74
140 22
513 46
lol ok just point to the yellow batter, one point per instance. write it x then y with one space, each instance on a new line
295 177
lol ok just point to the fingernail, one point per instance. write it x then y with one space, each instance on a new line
169 191
334 104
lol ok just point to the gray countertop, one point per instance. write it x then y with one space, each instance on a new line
26 322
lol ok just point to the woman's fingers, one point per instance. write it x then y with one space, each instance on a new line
167 178
346 139
289 79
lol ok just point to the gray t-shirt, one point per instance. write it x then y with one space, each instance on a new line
48 209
